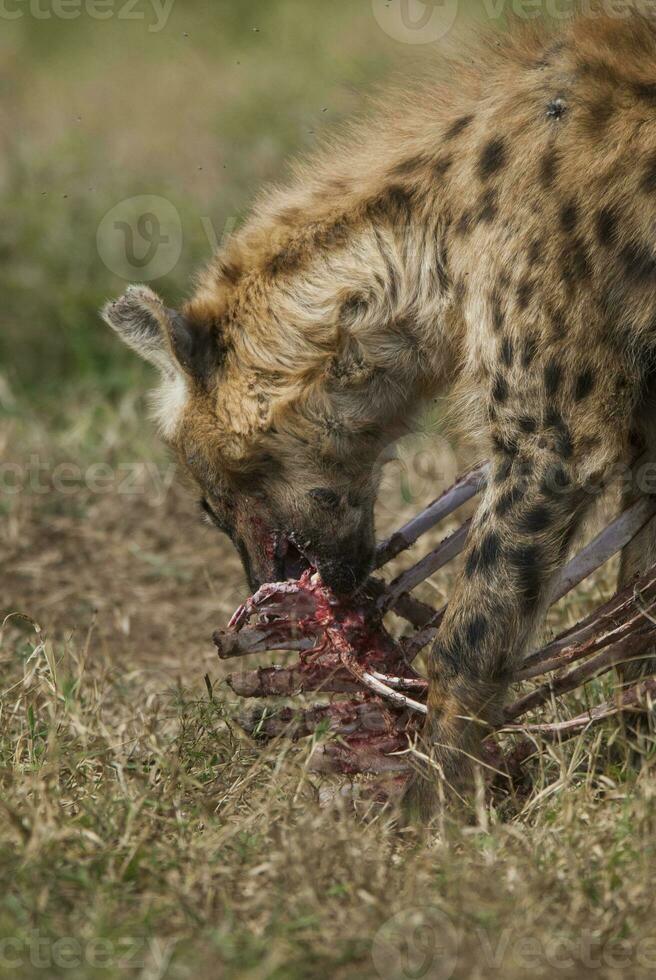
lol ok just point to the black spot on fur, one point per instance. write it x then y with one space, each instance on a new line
639 263
548 168
534 520
606 224
500 389
485 557
524 466
648 183
558 324
564 445
598 113
471 565
556 109
411 165
527 424
475 630
487 207
645 92
464 223
555 481
507 500
575 263
442 165
285 261
529 350
489 551
506 446
553 375
524 293
569 217
394 202
458 127
354 307
584 384
503 471
534 255
507 351
526 560
498 316
492 158
552 418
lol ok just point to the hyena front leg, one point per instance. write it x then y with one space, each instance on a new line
553 439
640 554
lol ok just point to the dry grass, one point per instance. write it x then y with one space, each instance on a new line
142 835
136 814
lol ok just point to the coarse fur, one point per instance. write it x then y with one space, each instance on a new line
493 233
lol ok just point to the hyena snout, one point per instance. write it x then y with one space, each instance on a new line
345 562
345 576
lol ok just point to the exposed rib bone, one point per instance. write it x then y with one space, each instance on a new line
367 718
625 650
404 683
289 681
607 543
401 700
463 490
255 640
605 625
638 696
445 552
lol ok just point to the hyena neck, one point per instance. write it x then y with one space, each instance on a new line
394 342
346 306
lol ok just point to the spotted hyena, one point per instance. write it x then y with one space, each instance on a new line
493 233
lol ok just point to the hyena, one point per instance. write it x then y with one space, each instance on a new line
493 234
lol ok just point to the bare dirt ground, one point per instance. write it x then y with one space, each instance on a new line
149 579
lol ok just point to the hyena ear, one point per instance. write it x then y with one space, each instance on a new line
162 335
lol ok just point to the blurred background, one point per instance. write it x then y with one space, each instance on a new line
197 104
133 139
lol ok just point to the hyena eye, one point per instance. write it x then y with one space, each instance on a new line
212 517
325 497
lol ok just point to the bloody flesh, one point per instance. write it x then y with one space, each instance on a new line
340 642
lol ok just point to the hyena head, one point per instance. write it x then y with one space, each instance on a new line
273 408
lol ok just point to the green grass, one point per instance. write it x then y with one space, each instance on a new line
199 113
